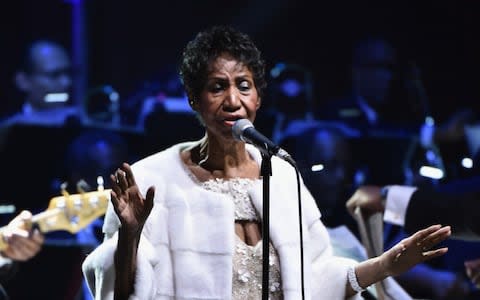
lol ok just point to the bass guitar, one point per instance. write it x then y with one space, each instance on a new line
69 212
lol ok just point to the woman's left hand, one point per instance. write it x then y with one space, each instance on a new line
131 207
415 249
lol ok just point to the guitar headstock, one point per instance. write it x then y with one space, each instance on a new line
73 212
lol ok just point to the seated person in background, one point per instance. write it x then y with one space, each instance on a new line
323 156
174 228
44 78
290 100
387 98
386 94
370 103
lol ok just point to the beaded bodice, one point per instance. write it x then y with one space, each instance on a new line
247 260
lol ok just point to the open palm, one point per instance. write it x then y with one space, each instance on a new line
415 249
131 207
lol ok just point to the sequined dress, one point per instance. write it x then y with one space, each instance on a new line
247 260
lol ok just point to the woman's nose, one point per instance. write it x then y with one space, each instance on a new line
232 99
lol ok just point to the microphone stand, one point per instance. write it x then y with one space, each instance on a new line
266 172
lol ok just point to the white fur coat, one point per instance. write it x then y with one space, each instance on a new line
187 244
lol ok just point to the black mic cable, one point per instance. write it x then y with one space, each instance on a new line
299 196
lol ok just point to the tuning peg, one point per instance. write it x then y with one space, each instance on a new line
63 189
83 186
100 183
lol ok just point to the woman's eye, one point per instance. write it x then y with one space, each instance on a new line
216 88
244 85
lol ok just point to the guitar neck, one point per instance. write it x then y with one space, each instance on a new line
47 221
69 213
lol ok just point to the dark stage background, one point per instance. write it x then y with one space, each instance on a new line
132 45
128 44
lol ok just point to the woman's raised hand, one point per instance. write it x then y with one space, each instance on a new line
131 207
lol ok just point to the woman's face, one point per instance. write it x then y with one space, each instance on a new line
228 95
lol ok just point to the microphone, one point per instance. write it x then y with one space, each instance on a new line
243 130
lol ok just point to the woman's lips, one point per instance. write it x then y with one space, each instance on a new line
229 122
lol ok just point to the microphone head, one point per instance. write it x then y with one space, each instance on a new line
239 127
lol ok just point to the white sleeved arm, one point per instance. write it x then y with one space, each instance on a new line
99 271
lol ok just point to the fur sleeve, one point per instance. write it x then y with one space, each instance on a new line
329 272
99 271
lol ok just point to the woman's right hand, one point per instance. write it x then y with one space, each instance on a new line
131 207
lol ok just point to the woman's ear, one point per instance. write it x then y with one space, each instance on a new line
193 103
259 102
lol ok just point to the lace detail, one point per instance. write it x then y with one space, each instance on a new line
247 260
235 189
247 272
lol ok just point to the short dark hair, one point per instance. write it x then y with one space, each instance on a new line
209 45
